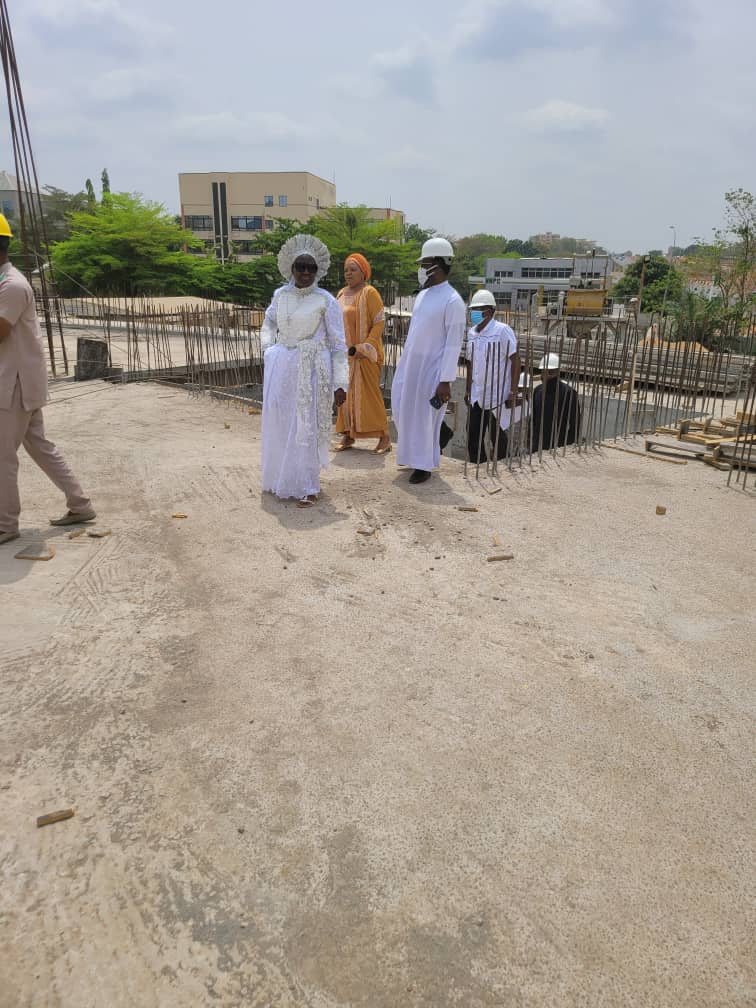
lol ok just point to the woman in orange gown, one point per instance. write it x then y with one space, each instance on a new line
363 415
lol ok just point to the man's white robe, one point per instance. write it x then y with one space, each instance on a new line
430 356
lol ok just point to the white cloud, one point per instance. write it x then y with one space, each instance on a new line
565 117
407 72
126 83
270 128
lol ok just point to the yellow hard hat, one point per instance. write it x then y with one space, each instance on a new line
5 231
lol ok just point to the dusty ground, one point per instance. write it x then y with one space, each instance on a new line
316 767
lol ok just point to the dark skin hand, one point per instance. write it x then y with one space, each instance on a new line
339 396
443 391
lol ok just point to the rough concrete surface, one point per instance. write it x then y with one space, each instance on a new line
317 767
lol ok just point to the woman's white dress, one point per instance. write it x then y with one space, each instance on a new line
304 355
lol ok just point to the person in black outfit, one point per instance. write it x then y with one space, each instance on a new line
556 409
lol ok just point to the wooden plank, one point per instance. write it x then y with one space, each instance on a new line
645 455
715 463
665 447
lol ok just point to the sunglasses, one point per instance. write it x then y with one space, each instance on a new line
305 267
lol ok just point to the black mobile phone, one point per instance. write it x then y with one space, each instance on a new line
436 403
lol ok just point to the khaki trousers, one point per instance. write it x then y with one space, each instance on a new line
20 427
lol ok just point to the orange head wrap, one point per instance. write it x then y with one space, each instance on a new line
361 261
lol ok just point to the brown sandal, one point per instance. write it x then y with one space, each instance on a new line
346 444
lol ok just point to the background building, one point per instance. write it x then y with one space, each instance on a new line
387 213
219 207
513 282
9 195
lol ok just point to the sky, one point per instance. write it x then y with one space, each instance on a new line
614 120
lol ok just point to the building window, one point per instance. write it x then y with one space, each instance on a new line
196 222
246 223
503 300
501 274
269 224
246 248
546 273
283 200
268 201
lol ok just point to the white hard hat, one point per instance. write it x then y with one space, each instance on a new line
549 362
436 248
524 381
482 299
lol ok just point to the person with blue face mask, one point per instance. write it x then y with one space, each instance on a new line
493 370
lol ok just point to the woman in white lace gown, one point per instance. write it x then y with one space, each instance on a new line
305 371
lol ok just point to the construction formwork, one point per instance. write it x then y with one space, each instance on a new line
630 386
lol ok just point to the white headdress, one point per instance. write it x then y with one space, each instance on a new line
303 244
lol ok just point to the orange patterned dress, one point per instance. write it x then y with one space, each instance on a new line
363 415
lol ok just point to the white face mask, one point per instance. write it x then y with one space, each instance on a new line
423 274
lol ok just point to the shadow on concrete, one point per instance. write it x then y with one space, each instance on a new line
436 491
323 513
362 459
12 570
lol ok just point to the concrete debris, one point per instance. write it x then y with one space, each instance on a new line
36 551
500 556
98 533
53 817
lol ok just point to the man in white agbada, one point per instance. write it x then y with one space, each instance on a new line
493 369
305 371
428 365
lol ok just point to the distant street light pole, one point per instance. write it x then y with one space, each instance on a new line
640 285
669 263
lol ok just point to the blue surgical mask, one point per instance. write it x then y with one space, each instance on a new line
476 317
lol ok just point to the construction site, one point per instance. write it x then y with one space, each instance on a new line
484 742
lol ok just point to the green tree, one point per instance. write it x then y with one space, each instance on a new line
418 235
127 246
729 261
522 248
91 197
701 320
105 181
57 207
470 255
346 229
270 242
660 279
247 283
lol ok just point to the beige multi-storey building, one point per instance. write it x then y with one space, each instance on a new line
388 213
223 207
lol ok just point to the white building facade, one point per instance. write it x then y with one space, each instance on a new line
514 282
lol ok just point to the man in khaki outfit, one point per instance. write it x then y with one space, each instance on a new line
23 393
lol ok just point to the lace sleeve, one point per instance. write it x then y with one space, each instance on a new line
269 330
336 341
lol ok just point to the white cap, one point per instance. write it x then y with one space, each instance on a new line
482 299
549 362
436 248
524 381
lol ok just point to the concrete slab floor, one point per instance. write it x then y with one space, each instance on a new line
334 757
